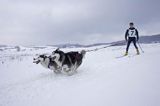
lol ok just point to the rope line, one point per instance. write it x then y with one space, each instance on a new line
104 47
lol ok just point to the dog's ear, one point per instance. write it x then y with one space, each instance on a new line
41 56
55 51
83 52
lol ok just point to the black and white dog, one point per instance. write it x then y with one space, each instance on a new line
61 62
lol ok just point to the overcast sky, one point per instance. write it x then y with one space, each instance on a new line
43 22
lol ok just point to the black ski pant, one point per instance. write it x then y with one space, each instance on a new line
131 39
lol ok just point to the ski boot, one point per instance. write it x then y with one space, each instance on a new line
126 54
137 52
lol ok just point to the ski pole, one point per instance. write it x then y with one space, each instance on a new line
140 47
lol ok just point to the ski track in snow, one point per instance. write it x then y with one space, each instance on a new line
101 80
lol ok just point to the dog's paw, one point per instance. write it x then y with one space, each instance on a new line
68 71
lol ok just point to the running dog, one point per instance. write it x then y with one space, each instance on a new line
61 62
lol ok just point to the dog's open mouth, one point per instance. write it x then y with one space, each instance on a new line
36 61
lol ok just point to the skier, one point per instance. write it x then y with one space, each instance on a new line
131 35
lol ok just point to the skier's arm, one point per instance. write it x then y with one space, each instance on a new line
137 34
126 35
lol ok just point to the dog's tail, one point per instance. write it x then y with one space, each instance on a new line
83 52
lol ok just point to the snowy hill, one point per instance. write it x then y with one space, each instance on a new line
104 79
150 39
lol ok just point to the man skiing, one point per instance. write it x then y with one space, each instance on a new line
131 35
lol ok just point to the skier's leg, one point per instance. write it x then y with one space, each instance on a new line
128 44
134 42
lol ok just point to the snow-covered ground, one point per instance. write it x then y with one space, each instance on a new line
104 78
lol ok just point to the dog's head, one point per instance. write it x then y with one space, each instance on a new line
57 53
43 57
40 58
